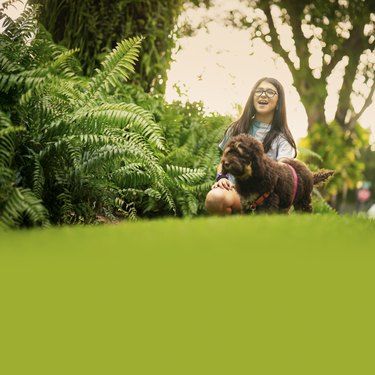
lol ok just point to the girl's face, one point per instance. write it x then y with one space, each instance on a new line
265 98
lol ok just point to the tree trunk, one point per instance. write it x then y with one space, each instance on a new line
313 93
345 111
95 27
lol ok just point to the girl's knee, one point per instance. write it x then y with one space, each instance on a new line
215 201
219 201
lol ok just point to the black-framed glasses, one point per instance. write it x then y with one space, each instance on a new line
269 93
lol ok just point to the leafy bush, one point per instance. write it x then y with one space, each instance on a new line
313 160
74 148
18 205
191 152
340 151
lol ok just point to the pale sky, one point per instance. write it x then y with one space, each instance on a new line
215 66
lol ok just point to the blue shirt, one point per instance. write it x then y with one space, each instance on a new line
280 147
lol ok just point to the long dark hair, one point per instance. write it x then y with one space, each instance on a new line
279 123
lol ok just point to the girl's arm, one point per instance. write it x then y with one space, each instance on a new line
223 182
284 150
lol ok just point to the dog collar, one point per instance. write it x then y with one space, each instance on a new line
259 201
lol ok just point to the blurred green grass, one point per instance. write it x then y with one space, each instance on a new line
238 295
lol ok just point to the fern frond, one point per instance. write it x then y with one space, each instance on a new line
131 175
107 154
34 209
64 147
38 179
54 129
57 100
66 64
69 90
24 27
188 204
32 78
187 175
116 67
153 193
202 188
305 153
125 116
7 65
7 135
320 205
134 144
166 194
66 207
7 177
23 207
4 120
6 151
127 209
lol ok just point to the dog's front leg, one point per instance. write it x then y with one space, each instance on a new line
271 205
246 207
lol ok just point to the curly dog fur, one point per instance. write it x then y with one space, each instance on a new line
256 173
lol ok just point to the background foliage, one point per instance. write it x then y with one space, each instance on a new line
82 145
321 41
95 27
340 151
80 149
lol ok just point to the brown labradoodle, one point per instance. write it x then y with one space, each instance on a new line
264 184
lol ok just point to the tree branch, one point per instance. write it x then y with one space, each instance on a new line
295 10
355 46
336 58
276 44
367 103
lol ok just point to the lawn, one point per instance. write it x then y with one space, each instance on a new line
239 295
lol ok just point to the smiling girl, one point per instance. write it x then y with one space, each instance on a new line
264 117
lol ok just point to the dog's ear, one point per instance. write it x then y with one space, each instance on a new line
258 163
237 144
240 147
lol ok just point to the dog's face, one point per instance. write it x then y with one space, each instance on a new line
242 157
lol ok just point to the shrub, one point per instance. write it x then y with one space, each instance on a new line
77 147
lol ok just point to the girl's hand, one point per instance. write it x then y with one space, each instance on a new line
223 183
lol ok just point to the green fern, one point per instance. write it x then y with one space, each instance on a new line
18 206
131 174
23 208
116 67
89 147
80 138
189 176
122 115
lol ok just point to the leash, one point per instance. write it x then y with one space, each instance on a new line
259 201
